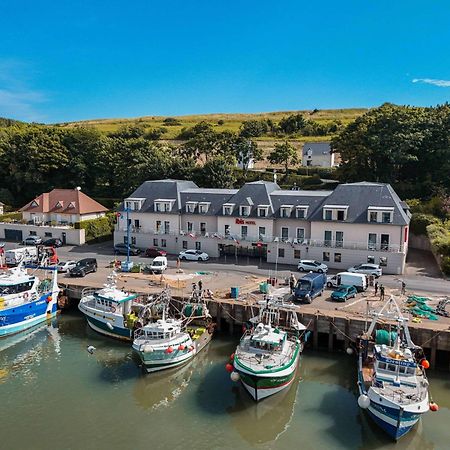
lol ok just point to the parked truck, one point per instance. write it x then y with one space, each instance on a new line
358 280
31 255
309 287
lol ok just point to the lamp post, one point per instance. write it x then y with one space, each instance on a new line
127 266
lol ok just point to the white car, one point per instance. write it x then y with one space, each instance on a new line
64 267
367 269
193 255
309 265
32 240
159 264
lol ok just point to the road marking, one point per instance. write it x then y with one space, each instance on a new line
353 303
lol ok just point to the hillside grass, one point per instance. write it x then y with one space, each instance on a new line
231 122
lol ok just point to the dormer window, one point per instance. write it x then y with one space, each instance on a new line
134 204
263 210
380 214
203 207
285 210
244 210
190 207
386 217
227 209
59 204
328 214
71 205
335 212
163 205
301 212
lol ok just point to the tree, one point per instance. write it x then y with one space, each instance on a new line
292 124
284 153
218 172
246 150
253 128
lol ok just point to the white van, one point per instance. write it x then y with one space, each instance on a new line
358 280
159 264
27 255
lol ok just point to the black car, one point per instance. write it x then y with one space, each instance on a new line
53 242
83 267
122 249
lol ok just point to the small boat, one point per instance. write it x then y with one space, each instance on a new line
392 383
170 342
267 356
111 311
25 300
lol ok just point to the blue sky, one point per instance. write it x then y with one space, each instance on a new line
72 60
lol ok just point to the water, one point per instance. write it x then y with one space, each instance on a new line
55 395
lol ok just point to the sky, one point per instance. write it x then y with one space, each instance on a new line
73 60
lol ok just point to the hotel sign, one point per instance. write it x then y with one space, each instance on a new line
245 222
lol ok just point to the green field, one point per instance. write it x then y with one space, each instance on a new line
231 122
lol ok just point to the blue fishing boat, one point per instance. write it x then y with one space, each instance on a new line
25 300
392 384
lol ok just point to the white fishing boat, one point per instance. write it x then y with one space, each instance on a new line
267 356
25 300
111 311
170 342
392 382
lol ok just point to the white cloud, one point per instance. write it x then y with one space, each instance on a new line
440 83
17 99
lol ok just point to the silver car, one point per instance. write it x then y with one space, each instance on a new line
309 265
367 269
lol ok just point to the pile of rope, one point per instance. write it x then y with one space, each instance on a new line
418 307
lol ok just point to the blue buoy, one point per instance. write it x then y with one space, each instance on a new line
234 292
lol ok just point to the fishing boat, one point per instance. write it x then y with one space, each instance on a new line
170 342
392 383
25 300
111 311
268 354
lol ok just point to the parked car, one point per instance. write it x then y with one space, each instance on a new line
308 265
153 252
193 255
343 293
367 269
122 249
309 287
32 240
358 280
83 267
53 242
64 267
159 264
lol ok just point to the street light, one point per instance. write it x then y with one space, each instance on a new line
127 266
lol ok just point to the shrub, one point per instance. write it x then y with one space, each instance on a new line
9 217
419 222
98 229
171 121
445 265
440 238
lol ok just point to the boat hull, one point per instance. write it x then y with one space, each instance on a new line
116 332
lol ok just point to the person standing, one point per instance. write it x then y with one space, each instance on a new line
376 287
200 285
292 281
381 292
403 292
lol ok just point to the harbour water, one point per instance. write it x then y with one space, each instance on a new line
55 395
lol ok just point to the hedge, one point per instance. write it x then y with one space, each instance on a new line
419 223
9 217
439 236
97 230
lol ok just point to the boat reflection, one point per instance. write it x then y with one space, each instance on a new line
265 421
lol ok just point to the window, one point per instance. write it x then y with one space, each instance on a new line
133 240
227 210
326 256
227 229
300 234
284 233
262 211
386 217
161 206
163 243
340 215
136 206
383 261
327 237
158 226
339 239
125 239
166 227
373 216
372 242
137 224
203 228
203 207
300 213
244 210
261 232
337 257
155 242
328 214
190 226
185 245
297 254
385 242
190 207
47 234
32 233
198 245
285 211
244 231
371 259
281 253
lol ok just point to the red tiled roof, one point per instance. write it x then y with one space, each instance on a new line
64 201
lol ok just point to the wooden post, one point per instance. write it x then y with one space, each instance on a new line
330 335
316 332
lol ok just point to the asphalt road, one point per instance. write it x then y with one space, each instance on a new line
418 280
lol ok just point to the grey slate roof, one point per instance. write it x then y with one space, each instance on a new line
317 148
216 197
359 196
312 199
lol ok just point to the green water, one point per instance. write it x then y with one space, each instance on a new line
55 395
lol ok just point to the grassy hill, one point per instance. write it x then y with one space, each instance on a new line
223 122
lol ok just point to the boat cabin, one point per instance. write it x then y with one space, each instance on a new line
161 329
113 300
392 362
16 282
267 338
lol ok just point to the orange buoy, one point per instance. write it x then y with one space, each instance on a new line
169 349
229 367
232 356
181 347
49 299
434 406
425 364
191 348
